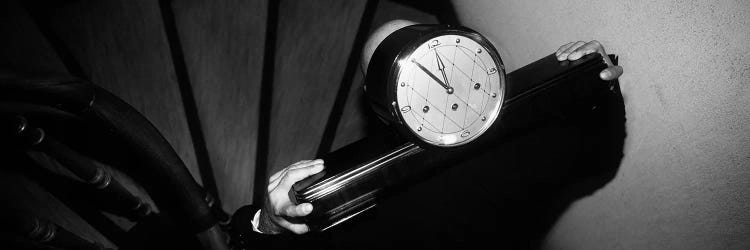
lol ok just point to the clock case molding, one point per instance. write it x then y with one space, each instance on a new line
358 175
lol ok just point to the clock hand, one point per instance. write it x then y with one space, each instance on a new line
449 89
441 67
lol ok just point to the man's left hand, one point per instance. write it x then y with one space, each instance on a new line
575 50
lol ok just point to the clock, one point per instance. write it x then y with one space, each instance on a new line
445 91
438 85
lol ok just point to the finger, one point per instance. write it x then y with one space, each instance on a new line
298 228
302 164
277 175
295 228
567 52
302 173
296 165
563 48
598 47
298 210
579 53
282 171
588 48
274 184
611 73
607 60
307 164
274 180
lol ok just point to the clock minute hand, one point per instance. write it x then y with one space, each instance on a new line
441 67
447 88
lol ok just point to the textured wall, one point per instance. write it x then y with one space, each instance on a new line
685 179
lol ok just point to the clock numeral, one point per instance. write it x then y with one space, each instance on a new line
491 71
433 44
405 109
465 133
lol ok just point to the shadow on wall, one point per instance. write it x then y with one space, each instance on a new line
508 196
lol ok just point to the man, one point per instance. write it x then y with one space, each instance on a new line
277 215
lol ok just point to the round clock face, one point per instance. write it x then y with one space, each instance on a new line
449 90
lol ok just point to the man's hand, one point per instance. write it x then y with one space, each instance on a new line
279 212
574 50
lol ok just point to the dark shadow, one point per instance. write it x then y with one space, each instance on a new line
75 195
112 132
509 196
155 231
41 12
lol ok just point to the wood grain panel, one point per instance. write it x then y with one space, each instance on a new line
121 46
223 45
357 116
314 42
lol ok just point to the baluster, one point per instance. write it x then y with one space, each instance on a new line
44 232
81 166
221 216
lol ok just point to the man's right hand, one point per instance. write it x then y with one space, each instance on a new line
278 208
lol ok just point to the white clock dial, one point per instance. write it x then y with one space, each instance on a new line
449 90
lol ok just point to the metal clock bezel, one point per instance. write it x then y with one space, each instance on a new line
408 50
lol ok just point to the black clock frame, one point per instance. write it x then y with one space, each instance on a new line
358 175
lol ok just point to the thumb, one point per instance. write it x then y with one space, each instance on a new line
611 73
298 210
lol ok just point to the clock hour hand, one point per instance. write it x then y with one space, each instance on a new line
441 67
449 89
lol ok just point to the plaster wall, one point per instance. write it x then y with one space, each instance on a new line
684 182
